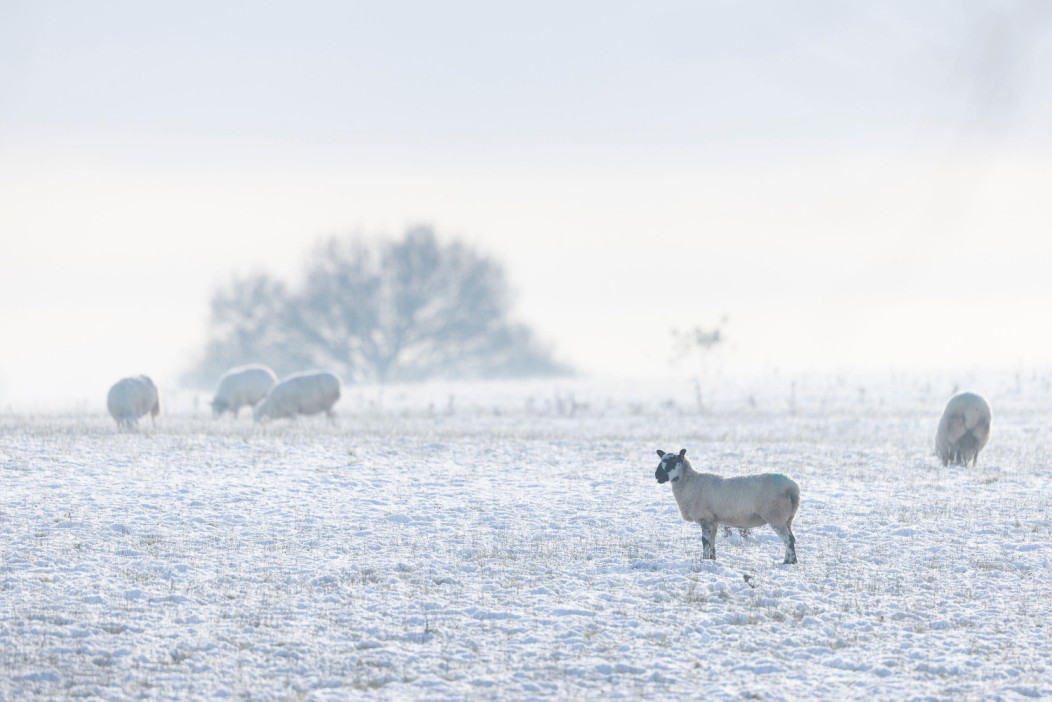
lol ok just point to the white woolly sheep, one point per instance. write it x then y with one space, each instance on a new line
241 386
309 392
747 501
963 430
131 398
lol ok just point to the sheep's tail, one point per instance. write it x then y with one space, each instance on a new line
793 493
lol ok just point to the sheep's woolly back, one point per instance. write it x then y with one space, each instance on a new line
131 398
964 428
244 385
751 500
309 392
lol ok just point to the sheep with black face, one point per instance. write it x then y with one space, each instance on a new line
746 501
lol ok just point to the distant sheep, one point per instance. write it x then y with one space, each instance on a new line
309 392
240 387
963 430
131 398
747 501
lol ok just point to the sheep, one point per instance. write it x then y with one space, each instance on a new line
244 385
131 398
747 501
963 430
309 392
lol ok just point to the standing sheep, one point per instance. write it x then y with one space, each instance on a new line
747 501
131 398
963 430
309 392
244 385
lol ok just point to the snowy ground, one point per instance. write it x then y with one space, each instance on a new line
510 542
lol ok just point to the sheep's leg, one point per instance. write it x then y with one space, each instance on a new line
785 533
708 539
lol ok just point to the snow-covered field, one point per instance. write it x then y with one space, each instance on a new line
508 541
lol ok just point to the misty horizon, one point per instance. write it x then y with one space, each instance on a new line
853 188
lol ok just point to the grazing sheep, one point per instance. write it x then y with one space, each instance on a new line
748 501
963 430
309 392
131 398
244 385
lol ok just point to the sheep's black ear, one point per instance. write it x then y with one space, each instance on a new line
682 453
660 453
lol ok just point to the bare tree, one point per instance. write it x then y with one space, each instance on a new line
246 323
410 309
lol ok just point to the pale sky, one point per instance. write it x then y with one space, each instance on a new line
853 185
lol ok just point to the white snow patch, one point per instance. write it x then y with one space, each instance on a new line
222 560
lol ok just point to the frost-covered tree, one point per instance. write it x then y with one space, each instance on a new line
248 321
403 310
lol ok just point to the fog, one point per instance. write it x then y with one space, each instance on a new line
851 188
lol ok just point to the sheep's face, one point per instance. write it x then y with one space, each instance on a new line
671 466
